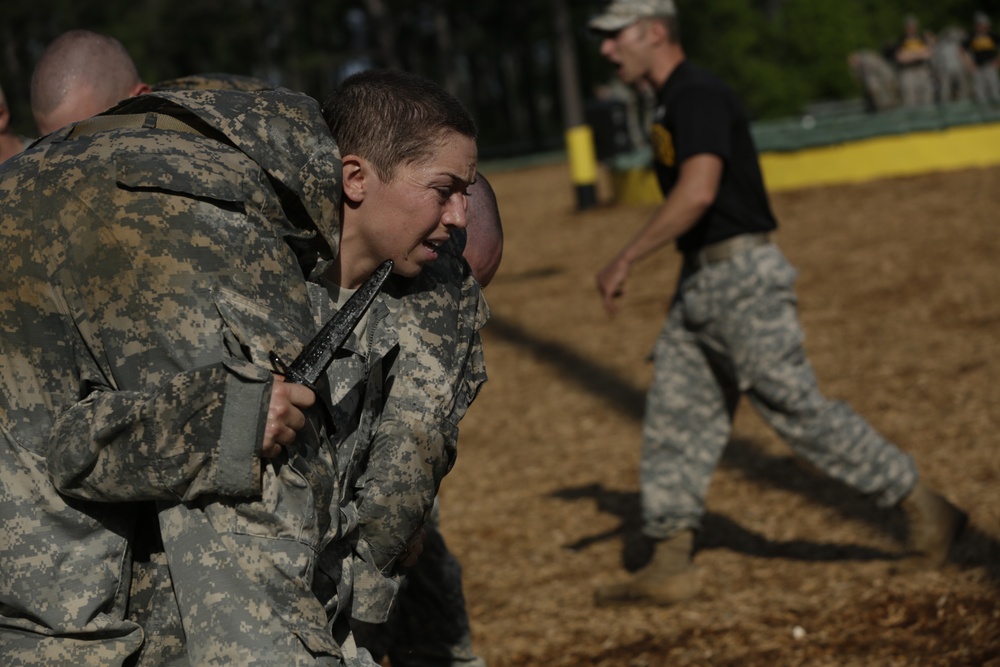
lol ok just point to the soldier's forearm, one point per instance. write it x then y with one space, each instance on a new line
199 433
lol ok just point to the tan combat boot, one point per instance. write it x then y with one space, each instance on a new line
669 577
933 525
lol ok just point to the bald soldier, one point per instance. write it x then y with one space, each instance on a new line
484 233
81 74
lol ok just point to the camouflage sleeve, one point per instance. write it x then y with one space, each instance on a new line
166 264
410 455
435 377
198 433
412 451
440 366
474 376
406 465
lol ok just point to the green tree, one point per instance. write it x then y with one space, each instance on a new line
497 56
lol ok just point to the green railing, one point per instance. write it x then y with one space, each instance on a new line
811 131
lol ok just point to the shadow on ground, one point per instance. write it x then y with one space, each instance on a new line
975 549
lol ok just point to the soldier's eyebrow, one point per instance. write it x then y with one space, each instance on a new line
459 181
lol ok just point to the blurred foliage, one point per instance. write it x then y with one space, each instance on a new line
498 57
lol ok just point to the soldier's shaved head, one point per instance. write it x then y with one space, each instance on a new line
484 232
81 73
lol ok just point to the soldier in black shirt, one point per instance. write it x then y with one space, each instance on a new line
913 54
733 325
981 49
713 123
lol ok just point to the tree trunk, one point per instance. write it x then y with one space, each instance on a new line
569 84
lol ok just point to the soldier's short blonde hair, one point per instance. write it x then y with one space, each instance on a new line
392 118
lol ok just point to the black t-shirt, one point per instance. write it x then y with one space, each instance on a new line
697 113
907 44
982 47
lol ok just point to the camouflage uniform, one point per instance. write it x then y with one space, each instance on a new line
877 78
438 394
733 328
148 274
433 625
407 437
916 83
981 48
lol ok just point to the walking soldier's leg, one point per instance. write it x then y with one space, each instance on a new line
687 423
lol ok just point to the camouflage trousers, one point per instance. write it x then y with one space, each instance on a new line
916 87
733 330
986 85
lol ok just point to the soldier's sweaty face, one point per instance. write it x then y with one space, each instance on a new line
410 216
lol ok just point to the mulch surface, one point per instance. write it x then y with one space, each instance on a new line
899 288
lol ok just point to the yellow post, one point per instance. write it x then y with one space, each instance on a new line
582 164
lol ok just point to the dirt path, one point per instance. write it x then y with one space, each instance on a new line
900 298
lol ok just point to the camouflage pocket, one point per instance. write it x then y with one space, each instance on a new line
257 329
184 166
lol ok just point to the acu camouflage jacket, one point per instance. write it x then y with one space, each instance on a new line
393 458
148 272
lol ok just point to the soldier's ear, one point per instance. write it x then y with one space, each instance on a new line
355 174
659 31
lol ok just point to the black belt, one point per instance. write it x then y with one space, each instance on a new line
727 249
